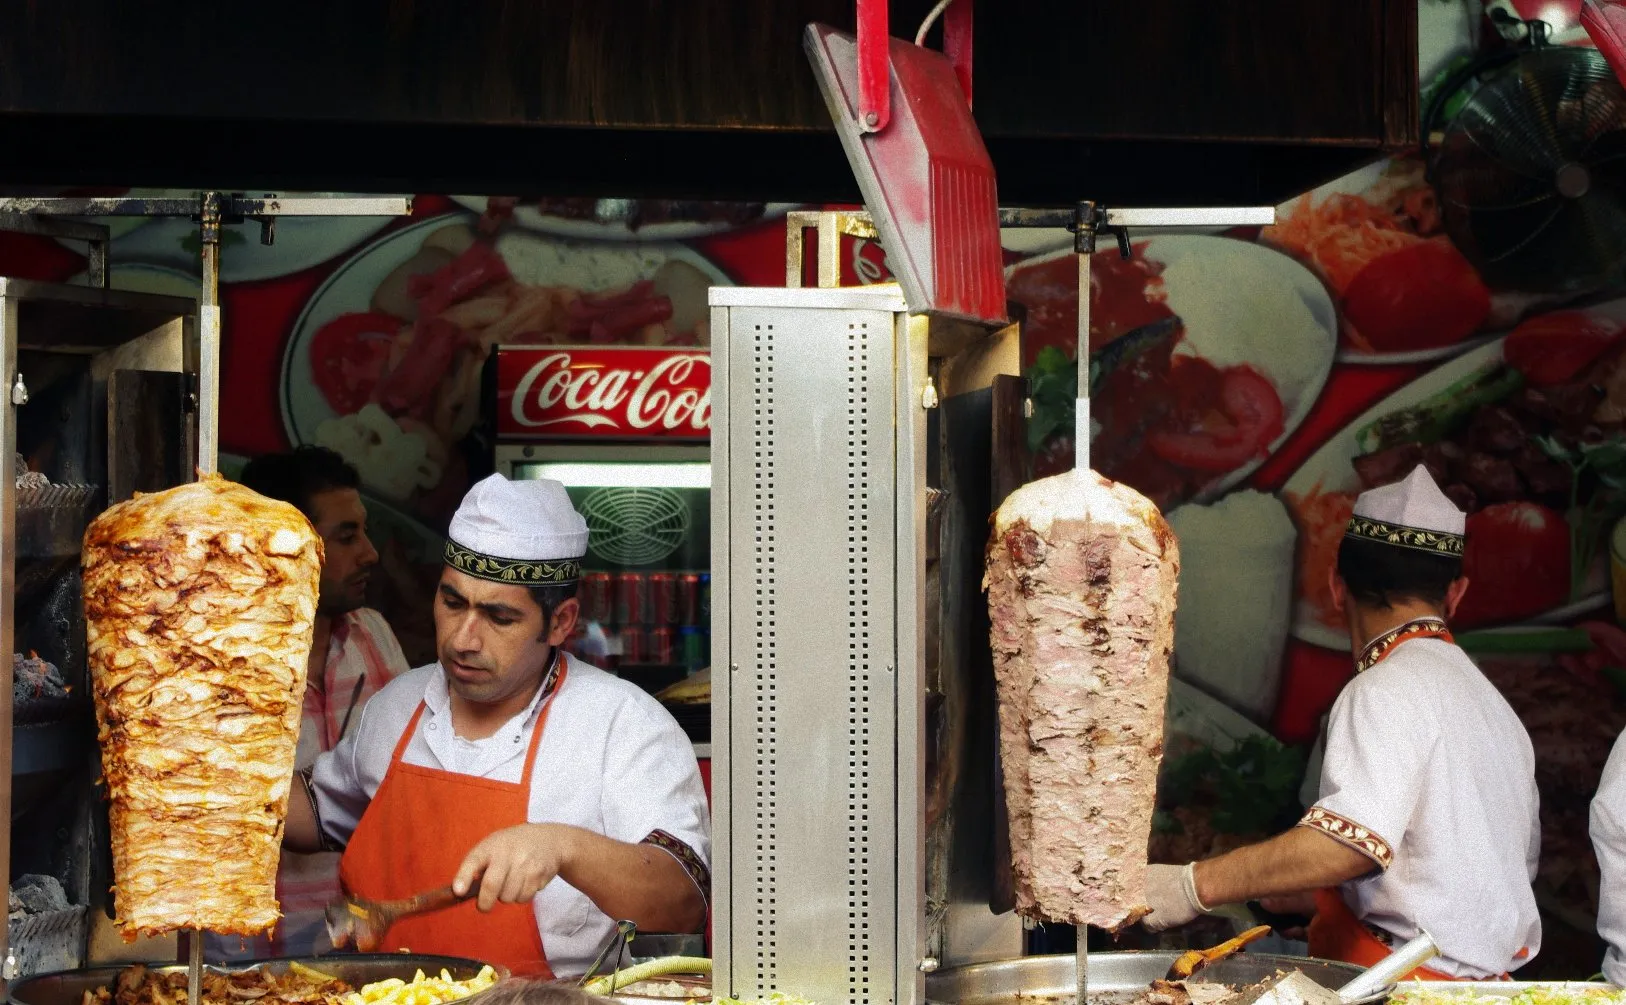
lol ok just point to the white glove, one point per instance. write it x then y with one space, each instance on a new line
1171 893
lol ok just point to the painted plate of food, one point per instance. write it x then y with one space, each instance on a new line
1526 434
1206 352
619 219
384 363
1405 294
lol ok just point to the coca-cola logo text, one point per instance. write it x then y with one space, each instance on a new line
612 392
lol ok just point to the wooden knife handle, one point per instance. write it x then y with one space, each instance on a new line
434 900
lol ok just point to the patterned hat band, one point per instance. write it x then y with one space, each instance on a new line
507 570
1433 541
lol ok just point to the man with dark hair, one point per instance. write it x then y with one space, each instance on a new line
556 796
353 655
1426 820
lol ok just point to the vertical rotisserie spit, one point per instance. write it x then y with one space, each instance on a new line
199 602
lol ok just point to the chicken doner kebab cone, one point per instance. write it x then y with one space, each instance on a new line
199 603
1081 589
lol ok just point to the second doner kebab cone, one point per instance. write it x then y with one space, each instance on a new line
1081 579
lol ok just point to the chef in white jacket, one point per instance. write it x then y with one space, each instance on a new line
1427 813
1609 841
556 796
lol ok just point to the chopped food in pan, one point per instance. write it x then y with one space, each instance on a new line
138 985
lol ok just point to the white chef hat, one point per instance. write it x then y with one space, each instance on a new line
1411 513
522 532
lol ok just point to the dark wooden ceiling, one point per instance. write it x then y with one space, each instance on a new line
1144 101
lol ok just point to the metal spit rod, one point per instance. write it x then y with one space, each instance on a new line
1081 463
208 378
194 968
1087 220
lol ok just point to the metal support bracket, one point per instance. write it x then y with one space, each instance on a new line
957 43
874 66
831 225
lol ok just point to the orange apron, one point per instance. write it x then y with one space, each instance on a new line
1335 932
414 835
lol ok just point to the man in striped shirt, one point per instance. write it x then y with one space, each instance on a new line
353 655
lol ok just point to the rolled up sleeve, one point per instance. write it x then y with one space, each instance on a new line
336 784
1372 774
653 793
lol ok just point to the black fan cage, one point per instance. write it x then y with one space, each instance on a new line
1531 175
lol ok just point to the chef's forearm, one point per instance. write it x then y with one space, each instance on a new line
1299 860
302 831
635 882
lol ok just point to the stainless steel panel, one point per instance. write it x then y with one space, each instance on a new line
813 835
909 595
69 986
880 297
1021 981
724 669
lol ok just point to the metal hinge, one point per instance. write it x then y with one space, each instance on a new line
9 970
928 395
19 390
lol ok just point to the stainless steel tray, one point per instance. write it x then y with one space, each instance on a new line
1114 975
68 987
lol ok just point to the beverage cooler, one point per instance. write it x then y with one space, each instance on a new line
627 431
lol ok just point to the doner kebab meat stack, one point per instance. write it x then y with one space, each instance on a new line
1081 592
200 602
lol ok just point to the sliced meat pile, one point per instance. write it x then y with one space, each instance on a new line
200 602
1081 591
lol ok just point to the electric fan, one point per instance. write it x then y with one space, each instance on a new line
1531 173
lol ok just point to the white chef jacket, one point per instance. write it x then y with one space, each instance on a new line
1609 841
1429 772
612 761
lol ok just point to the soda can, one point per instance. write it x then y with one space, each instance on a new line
692 643
663 650
577 641
632 599
705 598
634 646
598 597
689 599
663 599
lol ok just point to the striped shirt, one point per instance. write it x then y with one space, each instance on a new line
362 656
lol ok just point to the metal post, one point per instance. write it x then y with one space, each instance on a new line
194 968
15 389
209 215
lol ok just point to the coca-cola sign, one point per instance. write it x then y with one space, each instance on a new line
603 392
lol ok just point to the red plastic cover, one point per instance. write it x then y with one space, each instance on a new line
926 178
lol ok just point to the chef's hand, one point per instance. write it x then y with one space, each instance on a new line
513 864
1171 893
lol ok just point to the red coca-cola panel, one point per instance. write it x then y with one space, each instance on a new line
603 392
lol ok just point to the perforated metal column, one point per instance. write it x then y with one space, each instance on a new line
806 878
